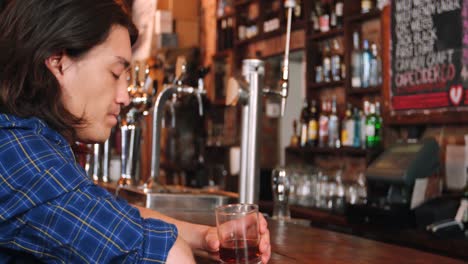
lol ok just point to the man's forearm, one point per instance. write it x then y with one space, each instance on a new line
193 234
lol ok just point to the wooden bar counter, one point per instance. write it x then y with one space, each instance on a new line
299 244
293 243
302 244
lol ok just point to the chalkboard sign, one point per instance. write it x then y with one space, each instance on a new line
429 55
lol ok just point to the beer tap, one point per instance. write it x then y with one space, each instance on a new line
141 94
253 71
169 91
284 82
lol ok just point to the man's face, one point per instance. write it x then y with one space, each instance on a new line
95 86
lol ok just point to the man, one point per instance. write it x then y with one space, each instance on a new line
63 79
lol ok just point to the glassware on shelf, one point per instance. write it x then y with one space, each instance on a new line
281 188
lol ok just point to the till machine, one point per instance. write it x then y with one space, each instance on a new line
399 180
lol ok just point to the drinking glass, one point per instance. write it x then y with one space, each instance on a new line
281 187
238 233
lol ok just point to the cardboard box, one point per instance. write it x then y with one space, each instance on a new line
188 32
164 40
163 22
181 9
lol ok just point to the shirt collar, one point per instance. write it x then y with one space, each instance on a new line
34 124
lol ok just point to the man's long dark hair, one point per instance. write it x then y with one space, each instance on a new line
33 30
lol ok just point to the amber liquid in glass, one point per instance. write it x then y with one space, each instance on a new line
239 251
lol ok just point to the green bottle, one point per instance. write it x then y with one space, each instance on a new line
378 125
373 126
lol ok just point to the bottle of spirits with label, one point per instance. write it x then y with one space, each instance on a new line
356 65
326 62
347 128
378 125
304 123
333 127
339 12
336 61
324 19
357 128
295 136
333 17
314 17
375 78
366 6
371 125
366 65
297 12
313 125
364 114
323 125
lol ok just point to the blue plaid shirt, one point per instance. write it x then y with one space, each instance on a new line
51 210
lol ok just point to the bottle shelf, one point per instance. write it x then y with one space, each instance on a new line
222 54
373 14
325 85
365 91
244 2
343 151
226 16
272 34
327 35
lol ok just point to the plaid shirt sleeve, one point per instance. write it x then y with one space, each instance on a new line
50 209
90 226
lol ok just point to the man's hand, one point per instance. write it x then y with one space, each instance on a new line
212 241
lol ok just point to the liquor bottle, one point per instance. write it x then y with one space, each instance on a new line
364 114
241 26
220 9
347 128
378 125
323 125
230 33
375 78
371 128
366 65
312 138
295 136
336 61
357 128
356 59
333 17
314 18
366 6
222 35
333 127
339 12
271 20
304 123
324 18
326 62
297 12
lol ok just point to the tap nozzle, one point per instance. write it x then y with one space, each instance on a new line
284 95
136 79
289 3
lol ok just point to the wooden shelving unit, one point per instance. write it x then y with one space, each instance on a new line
326 35
324 85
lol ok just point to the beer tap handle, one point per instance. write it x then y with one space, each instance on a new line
146 82
284 83
202 72
136 79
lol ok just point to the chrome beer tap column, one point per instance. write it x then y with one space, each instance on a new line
141 94
166 94
253 71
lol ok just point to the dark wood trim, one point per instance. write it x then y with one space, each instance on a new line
326 35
